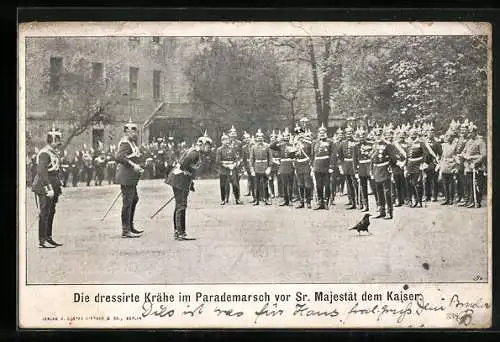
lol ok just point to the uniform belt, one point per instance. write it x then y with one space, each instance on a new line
276 160
286 159
227 162
348 159
302 160
381 164
64 165
415 159
261 160
322 157
364 161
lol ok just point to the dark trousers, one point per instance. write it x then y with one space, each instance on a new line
304 182
272 189
74 176
280 186
287 181
322 186
47 207
65 177
333 184
400 187
111 173
352 188
384 196
414 182
129 200
363 196
87 174
261 192
180 196
235 182
461 186
448 186
471 187
224 184
99 176
431 184
251 184
341 183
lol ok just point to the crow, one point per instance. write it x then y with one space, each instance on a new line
362 225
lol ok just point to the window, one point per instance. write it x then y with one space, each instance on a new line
156 84
156 39
56 70
133 80
97 71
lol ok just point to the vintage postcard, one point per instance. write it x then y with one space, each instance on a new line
192 175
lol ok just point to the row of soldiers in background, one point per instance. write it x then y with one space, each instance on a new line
402 165
98 165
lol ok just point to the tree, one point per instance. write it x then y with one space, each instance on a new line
86 96
237 79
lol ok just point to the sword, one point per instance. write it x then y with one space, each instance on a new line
423 189
474 185
111 206
162 207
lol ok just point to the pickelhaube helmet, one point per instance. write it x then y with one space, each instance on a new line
298 129
286 133
224 137
246 136
54 136
232 132
129 126
204 139
259 136
322 132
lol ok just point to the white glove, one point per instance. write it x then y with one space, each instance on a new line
356 175
50 193
137 167
312 172
330 170
268 171
253 173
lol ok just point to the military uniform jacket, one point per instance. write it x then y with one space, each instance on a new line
127 152
245 155
432 148
383 157
260 157
348 156
47 171
363 162
415 156
323 155
275 160
474 153
460 142
400 147
87 160
448 164
110 161
224 158
303 156
287 154
189 162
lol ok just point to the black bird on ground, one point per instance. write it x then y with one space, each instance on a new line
362 226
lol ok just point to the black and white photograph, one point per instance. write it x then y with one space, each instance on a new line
154 158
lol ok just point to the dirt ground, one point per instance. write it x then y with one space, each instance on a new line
246 244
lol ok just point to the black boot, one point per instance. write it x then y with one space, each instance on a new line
301 205
381 214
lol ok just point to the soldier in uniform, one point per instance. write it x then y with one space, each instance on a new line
110 165
127 175
47 187
170 157
260 167
448 167
75 169
415 158
88 166
285 171
362 167
383 158
245 154
432 160
100 164
398 170
181 179
324 161
225 160
236 145
275 165
65 168
303 168
474 155
347 156
461 140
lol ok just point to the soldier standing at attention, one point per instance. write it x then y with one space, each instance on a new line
127 175
474 155
181 180
235 145
383 157
226 162
285 171
110 166
323 156
245 154
414 160
260 167
303 168
347 156
47 187
363 168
